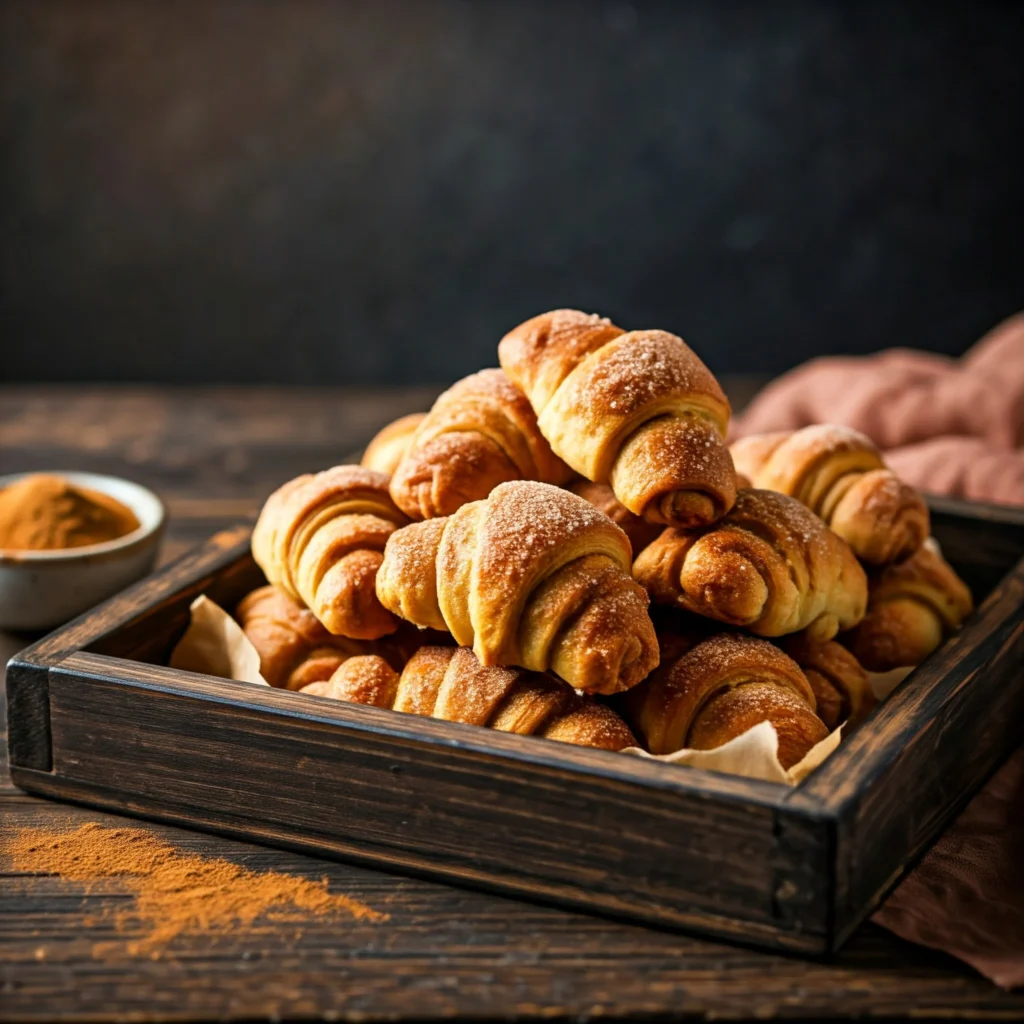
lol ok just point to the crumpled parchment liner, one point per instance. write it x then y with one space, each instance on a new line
754 755
215 645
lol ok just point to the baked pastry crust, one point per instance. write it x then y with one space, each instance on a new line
449 683
842 691
481 432
389 444
532 576
841 476
295 649
638 411
717 690
321 537
770 566
913 607
602 497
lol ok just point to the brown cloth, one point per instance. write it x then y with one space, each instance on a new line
967 896
949 426
953 427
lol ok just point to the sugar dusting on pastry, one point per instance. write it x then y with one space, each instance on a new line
532 518
828 437
641 367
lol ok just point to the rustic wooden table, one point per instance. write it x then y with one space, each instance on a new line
213 455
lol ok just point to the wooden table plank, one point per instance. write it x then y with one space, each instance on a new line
444 952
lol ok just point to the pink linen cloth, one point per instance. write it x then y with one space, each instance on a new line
921 409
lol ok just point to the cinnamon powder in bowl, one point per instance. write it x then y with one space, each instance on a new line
43 512
70 540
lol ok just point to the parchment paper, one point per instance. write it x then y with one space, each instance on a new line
754 755
215 645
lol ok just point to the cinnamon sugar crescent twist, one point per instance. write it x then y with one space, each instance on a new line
531 576
840 684
840 475
602 497
913 606
770 565
720 688
481 432
389 444
296 650
449 683
639 411
321 537
293 646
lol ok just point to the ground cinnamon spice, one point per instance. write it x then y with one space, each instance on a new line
43 513
175 893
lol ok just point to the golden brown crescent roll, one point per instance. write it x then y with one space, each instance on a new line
449 683
770 565
293 646
719 689
295 649
321 537
841 687
840 475
388 445
639 411
602 497
532 576
481 432
913 606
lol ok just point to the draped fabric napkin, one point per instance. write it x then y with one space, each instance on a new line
949 426
953 427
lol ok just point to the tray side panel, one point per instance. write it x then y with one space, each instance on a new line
677 856
905 774
982 542
150 631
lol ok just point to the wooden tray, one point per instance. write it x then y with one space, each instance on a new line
95 717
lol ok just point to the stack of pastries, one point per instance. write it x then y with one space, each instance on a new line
567 547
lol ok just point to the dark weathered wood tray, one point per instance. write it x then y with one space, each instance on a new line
95 717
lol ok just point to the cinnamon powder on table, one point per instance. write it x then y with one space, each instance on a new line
175 893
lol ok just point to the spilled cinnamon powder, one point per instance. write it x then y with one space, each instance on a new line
175 893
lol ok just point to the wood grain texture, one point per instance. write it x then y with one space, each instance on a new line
27 692
980 540
209 451
934 742
445 951
520 814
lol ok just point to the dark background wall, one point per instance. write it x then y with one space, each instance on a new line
356 192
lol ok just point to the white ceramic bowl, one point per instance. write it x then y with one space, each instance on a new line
43 589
